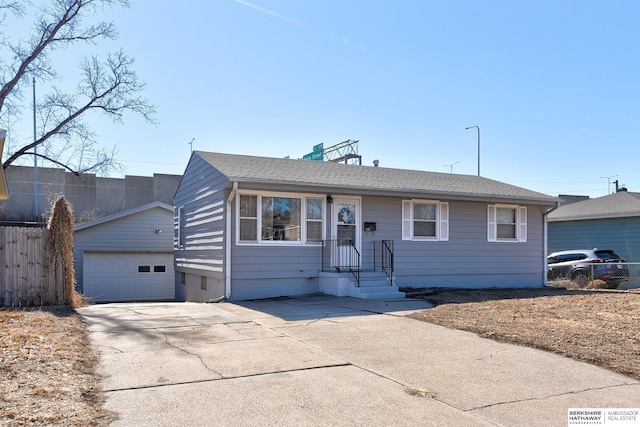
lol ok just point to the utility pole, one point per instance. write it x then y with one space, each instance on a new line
608 178
35 157
478 128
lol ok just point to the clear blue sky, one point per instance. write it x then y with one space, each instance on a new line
553 85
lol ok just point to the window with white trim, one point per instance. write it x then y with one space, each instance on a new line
274 218
506 223
314 219
425 220
181 227
248 217
281 219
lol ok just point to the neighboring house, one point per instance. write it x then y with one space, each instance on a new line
126 256
608 222
253 227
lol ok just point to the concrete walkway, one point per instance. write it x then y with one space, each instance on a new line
329 361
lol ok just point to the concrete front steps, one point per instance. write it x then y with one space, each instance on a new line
374 285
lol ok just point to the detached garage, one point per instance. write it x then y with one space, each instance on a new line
126 256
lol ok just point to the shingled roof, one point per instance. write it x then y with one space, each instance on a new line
617 205
242 168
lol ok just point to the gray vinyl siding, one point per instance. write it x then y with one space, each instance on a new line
132 233
467 259
622 235
201 195
273 270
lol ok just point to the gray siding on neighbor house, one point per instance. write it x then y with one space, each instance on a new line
131 233
622 235
201 197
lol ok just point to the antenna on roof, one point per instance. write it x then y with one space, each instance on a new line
620 187
191 143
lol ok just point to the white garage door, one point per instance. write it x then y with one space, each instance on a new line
120 276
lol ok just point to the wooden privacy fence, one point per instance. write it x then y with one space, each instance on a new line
31 275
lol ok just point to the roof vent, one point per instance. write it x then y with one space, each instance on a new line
376 162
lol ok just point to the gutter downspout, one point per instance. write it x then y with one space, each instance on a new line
227 241
545 227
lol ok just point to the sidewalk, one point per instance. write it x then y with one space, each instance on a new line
330 361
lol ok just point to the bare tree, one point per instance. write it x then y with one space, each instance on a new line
107 85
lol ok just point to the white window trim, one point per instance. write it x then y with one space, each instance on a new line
303 218
181 234
521 223
442 221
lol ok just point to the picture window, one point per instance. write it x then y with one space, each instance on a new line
280 218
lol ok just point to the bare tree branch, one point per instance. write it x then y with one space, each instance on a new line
14 7
42 156
109 86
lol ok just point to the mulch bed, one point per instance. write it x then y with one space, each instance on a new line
601 327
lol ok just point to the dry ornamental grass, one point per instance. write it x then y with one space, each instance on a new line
47 370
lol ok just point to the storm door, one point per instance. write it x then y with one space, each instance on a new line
346 232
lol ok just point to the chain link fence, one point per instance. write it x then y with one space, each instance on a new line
602 275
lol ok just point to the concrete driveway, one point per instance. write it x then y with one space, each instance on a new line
329 361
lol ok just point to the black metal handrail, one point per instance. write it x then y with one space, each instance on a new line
341 255
383 257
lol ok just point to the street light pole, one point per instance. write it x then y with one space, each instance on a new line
477 127
451 166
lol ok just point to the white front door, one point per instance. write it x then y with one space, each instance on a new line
346 231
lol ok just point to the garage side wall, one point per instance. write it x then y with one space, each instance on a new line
147 231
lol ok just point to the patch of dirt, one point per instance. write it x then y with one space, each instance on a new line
47 372
597 326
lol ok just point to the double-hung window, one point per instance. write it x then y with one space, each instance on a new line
270 218
425 220
507 223
248 218
314 219
180 236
